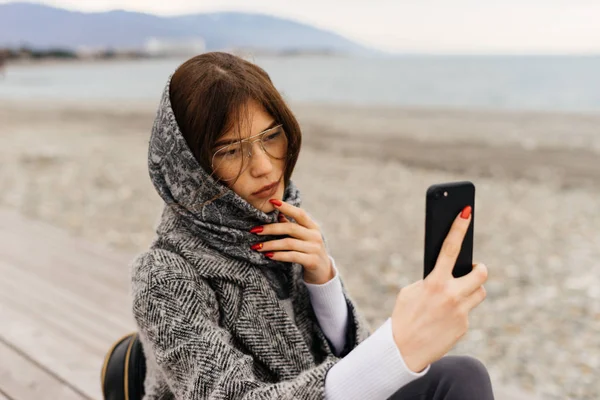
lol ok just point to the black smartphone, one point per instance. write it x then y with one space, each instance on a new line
444 202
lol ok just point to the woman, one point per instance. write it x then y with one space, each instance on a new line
238 298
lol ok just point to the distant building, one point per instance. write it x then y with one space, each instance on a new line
175 47
89 52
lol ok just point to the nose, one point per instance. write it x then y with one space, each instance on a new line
260 162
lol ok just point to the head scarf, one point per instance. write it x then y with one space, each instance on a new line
216 213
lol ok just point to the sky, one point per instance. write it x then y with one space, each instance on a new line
422 26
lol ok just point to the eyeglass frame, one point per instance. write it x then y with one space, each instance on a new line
258 137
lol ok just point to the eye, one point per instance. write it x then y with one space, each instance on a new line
272 136
231 152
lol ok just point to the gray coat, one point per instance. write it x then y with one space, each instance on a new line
211 321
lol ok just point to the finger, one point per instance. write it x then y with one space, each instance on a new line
475 299
287 244
293 230
471 282
298 214
453 243
291 256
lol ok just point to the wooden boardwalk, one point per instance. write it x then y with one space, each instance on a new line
63 301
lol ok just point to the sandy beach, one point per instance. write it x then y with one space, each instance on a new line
363 173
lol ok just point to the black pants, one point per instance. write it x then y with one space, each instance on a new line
450 378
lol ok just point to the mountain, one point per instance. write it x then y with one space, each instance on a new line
41 27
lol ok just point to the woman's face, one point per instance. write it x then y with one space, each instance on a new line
262 170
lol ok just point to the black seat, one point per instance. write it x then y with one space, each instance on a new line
124 370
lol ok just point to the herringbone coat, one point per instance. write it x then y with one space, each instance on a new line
214 329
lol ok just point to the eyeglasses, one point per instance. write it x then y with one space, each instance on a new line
230 161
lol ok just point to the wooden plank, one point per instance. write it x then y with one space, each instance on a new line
69 360
47 249
61 262
22 225
81 322
63 302
23 379
115 300
55 250
47 298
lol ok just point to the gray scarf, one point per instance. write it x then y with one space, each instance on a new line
188 191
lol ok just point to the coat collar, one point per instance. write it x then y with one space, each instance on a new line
258 319
287 347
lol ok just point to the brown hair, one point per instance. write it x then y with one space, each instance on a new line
209 94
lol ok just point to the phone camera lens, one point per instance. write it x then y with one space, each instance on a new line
437 195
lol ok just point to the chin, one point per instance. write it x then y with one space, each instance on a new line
265 206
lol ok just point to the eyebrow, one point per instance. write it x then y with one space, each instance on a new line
224 142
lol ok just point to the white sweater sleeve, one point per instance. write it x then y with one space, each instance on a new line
374 370
330 308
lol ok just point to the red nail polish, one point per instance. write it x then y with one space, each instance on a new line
466 212
275 202
269 254
257 246
257 229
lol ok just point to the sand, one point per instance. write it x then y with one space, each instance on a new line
363 173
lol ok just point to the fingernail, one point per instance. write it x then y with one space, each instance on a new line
269 254
257 229
257 246
466 212
275 202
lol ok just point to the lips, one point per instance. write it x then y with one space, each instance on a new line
266 188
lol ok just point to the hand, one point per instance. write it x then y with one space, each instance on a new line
305 245
431 315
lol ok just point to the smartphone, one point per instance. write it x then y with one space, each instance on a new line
443 203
